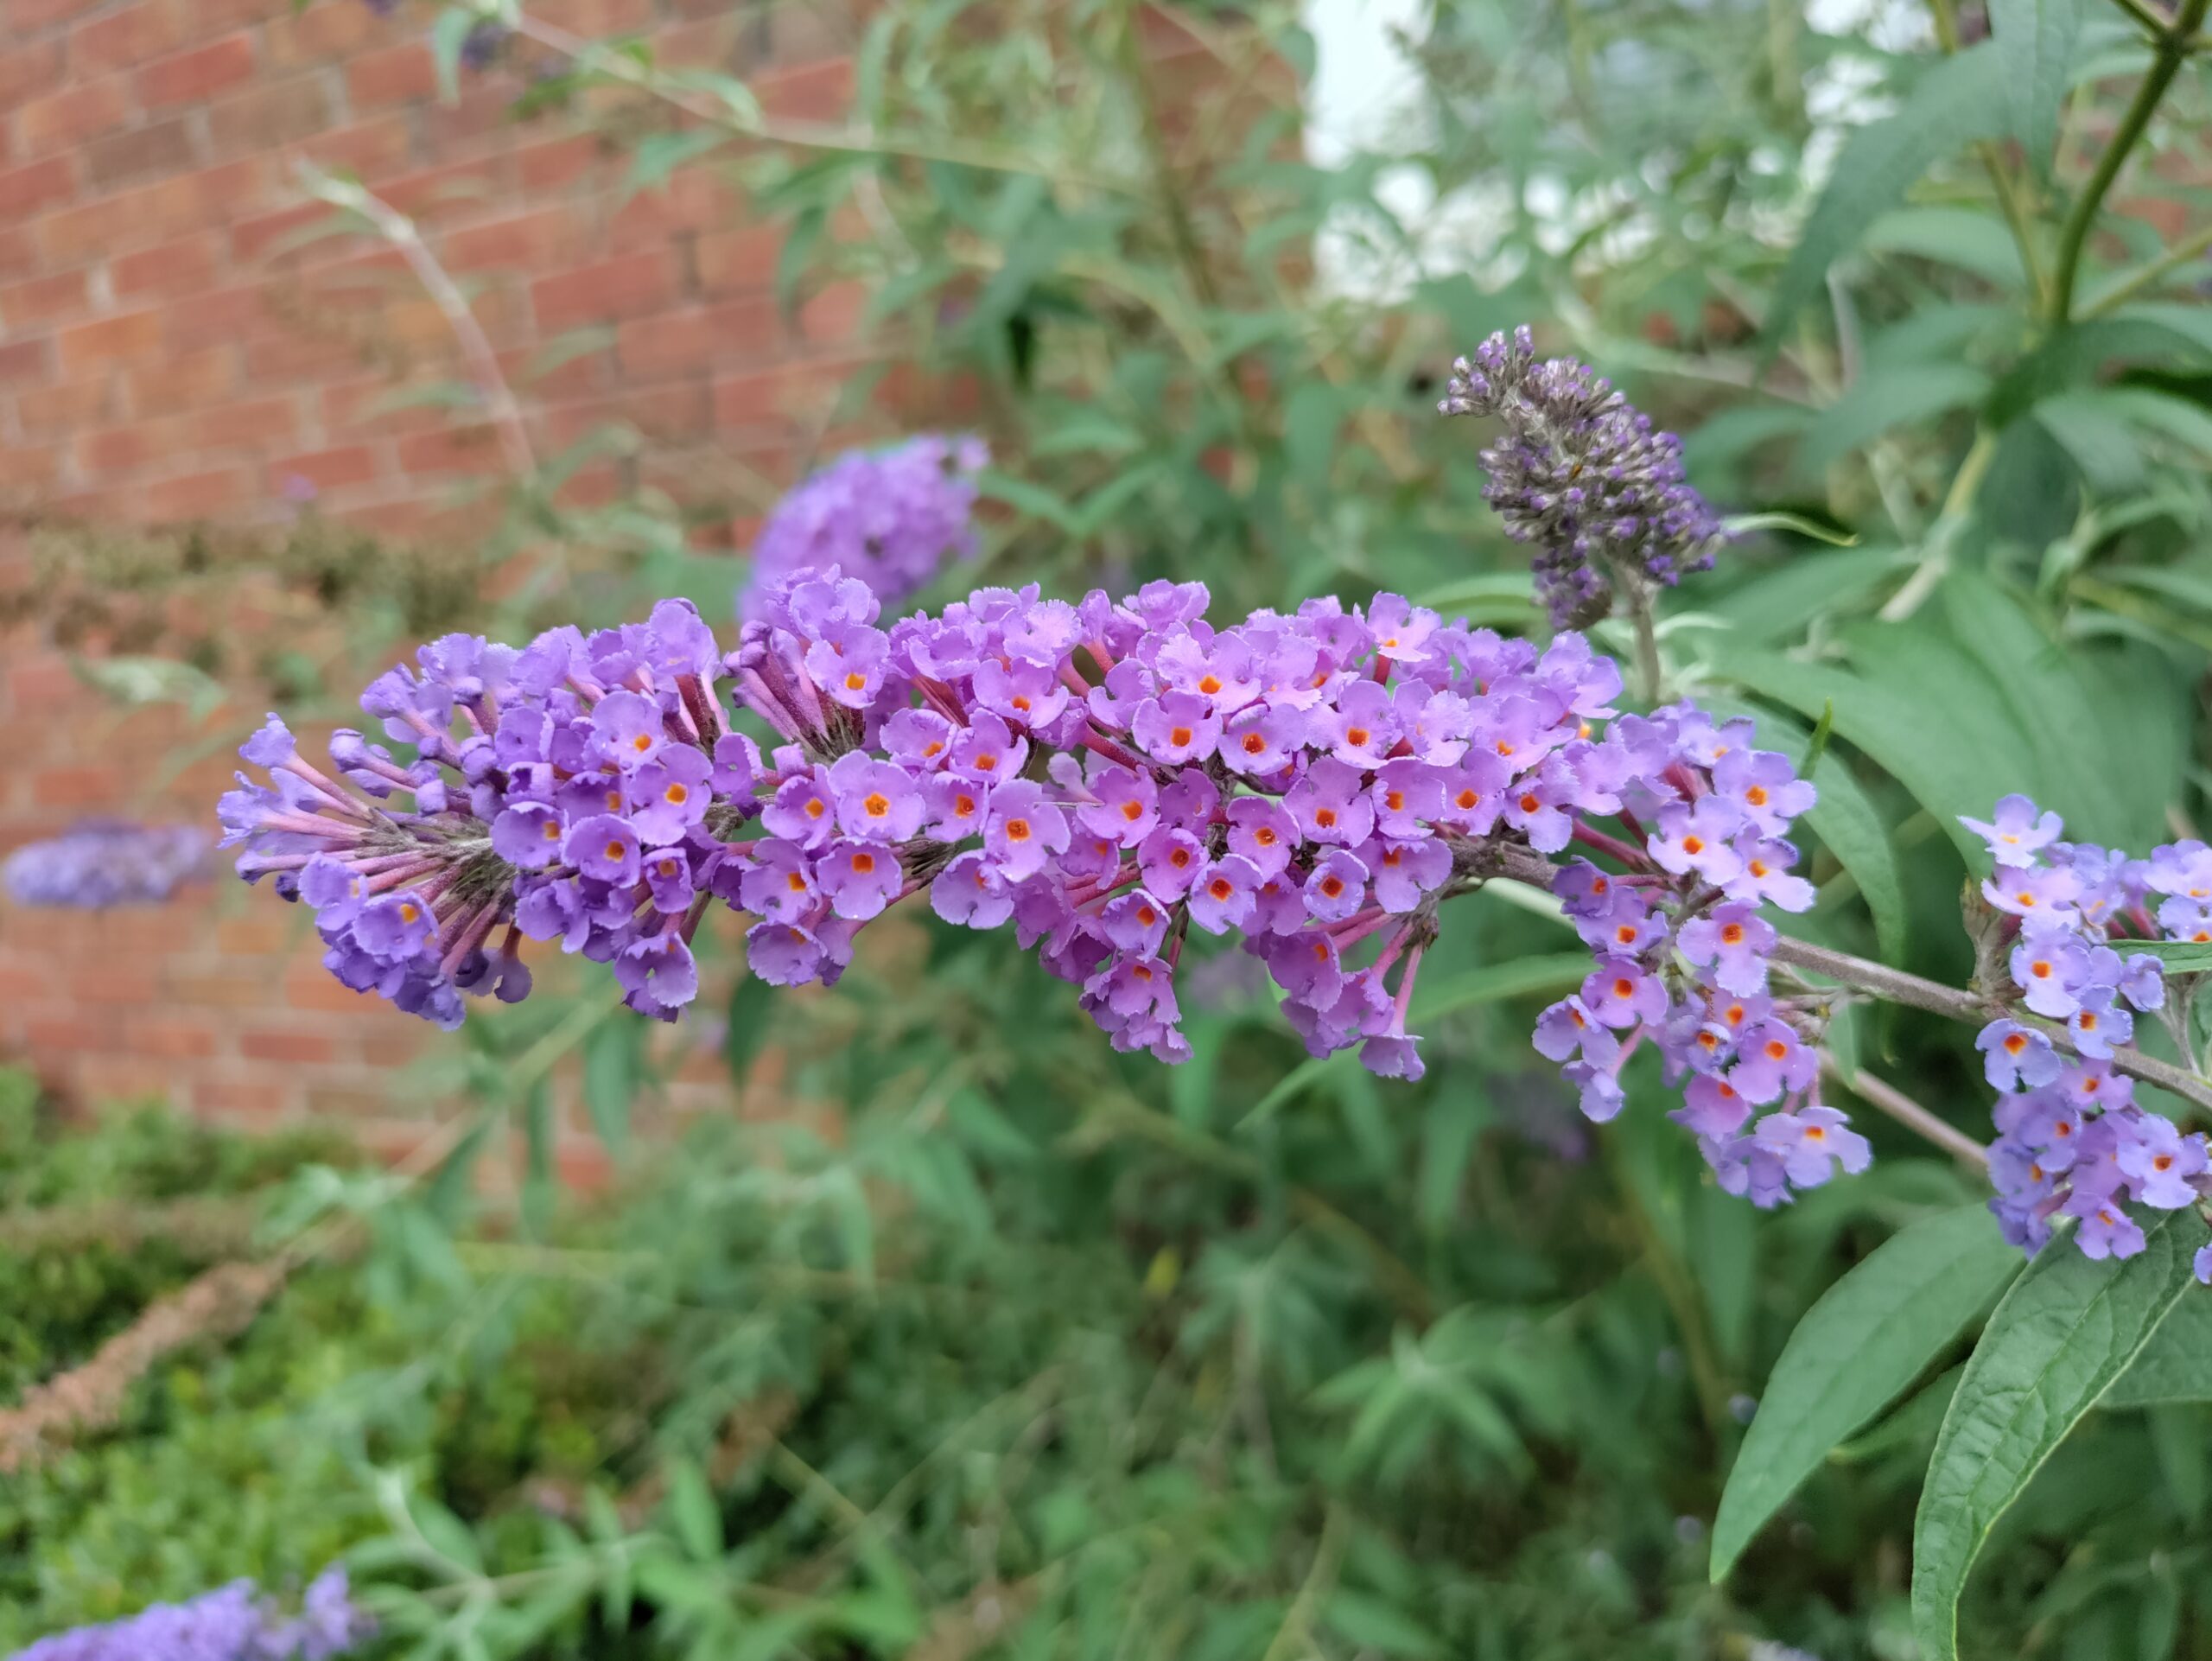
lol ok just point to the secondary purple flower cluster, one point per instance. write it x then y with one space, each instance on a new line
235 1624
1578 472
893 519
1682 952
98 865
2072 1140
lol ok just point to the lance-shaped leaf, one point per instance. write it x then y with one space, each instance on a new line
1858 1349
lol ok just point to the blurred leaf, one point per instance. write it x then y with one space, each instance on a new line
1973 241
1882 398
1775 604
658 155
1959 100
2068 1327
448 34
611 1062
152 680
1372 1623
2035 41
2179 957
691 1505
1856 1351
752 1006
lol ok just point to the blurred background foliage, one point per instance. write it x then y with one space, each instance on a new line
978 1340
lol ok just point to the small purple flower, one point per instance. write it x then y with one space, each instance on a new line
2015 831
1563 1028
1405 871
659 973
2202 1263
604 847
1712 1106
628 729
876 800
395 928
1170 860
1764 788
2040 892
1022 830
1125 806
2160 1163
956 806
1811 1142
2017 1057
1259 740
1222 893
1330 804
1337 886
1363 726
989 751
970 893
2106 1229
1176 727
1699 838
1774 1061
1735 942
1620 994
1259 830
802 810
860 879
1135 923
783 954
669 796
778 882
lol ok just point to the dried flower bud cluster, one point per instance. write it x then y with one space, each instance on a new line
98 865
1578 472
2073 1141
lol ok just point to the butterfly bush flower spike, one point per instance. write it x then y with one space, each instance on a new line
1580 472
234 1624
2072 1140
891 518
98 865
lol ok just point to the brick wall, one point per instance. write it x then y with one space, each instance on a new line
170 350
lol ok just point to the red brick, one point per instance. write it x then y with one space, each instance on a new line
59 409
517 242
253 239
191 381
74 787
396 74
275 112
22 363
72 1035
159 147
254 423
25 69
233 312
25 468
323 32
42 300
284 1046
173 1038
110 450
27 16
133 335
371 150
629 285
75 112
696 336
451 449
123 39
190 77
181 267
332 469
25 190
668 413
452 189
113 982
553 162
740 260
696 199
595 18
195 495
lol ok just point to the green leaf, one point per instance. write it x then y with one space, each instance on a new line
2035 43
1034 499
2179 957
2176 1366
1775 605
151 680
610 1080
692 1507
1857 1351
1973 241
1368 1623
447 35
1558 972
1883 398
658 155
750 1012
2068 1327
1959 100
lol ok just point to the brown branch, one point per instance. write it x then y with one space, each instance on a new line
1906 1111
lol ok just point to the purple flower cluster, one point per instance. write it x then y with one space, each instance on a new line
1102 776
1578 472
578 790
234 1624
2072 1140
98 865
1682 952
893 519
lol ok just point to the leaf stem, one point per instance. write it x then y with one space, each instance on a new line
1907 1112
2170 46
2189 247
